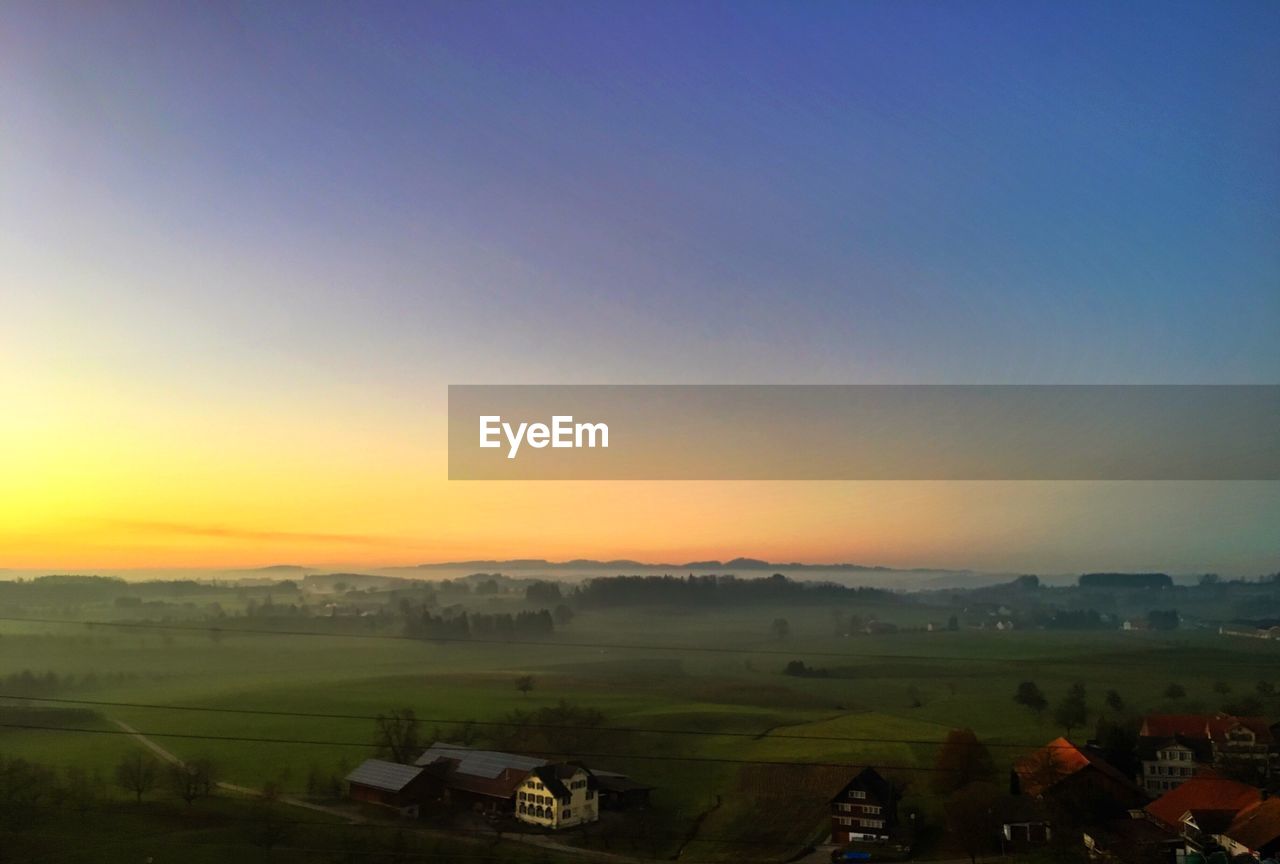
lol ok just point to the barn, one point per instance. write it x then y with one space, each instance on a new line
388 784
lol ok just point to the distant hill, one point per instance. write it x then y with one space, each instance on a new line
331 581
626 563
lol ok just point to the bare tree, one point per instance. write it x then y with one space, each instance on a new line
268 828
137 773
399 736
193 780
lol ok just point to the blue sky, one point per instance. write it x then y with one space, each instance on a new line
310 208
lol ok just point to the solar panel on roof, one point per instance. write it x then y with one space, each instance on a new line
479 763
380 774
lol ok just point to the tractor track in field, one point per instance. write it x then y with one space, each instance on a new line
692 834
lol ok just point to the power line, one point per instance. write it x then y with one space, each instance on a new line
638 730
660 757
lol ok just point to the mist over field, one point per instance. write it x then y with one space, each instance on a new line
956 321
730 708
852 575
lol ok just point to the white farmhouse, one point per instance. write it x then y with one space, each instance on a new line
558 796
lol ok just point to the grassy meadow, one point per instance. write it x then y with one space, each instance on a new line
896 696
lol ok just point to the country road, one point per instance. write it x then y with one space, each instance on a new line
169 757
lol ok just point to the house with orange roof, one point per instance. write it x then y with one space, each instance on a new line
1077 778
1202 808
1254 831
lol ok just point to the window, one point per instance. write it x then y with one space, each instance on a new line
872 823
857 793
846 808
871 809
566 815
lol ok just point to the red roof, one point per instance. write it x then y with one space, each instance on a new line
1213 726
1221 724
1169 725
1042 768
1056 761
1207 794
1258 826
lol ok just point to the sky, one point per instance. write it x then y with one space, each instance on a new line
245 247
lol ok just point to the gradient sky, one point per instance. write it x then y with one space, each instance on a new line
245 247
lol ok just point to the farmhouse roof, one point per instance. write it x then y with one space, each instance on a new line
868 779
553 777
380 774
1170 725
482 772
1220 724
1211 821
1200 795
1212 726
478 763
1059 759
1257 826
1201 749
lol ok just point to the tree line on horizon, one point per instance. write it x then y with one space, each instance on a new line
712 590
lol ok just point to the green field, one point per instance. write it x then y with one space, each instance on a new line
897 695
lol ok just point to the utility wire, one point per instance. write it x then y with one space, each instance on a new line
638 730
659 757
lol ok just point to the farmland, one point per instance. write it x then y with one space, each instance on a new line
757 750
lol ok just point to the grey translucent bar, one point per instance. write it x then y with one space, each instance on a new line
865 432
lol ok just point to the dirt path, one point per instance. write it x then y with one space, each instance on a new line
148 743
539 840
169 757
